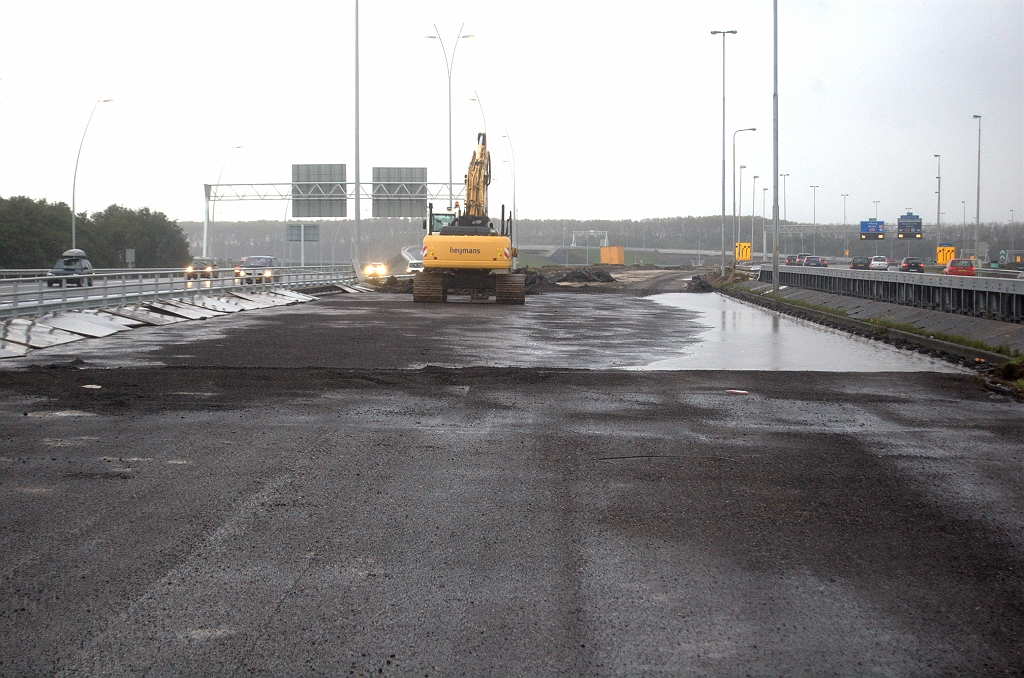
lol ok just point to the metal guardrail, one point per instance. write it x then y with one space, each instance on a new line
33 296
995 298
7 273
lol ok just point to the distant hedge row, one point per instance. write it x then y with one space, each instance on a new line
34 233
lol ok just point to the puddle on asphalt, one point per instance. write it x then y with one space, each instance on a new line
739 336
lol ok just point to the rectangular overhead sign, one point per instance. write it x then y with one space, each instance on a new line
399 191
297 231
318 191
908 226
872 229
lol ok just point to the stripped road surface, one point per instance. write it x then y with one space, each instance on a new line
399 519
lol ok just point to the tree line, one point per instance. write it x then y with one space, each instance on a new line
34 233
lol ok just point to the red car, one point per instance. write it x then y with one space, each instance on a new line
959 267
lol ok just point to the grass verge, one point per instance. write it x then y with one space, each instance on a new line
1002 349
816 307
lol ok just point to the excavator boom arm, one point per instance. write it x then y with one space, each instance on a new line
478 177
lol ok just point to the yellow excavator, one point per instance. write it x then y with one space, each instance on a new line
463 253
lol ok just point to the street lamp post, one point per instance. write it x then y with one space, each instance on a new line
74 178
814 212
737 214
846 241
512 166
754 197
448 69
213 218
723 34
876 219
476 98
514 230
356 235
909 210
748 129
977 200
764 232
785 210
938 203
963 229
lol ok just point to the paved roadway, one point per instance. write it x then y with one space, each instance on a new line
293 492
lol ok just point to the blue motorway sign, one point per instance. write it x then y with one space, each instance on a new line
908 226
872 229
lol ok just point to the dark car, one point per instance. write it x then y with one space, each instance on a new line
72 268
791 260
811 260
202 267
912 265
862 263
800 258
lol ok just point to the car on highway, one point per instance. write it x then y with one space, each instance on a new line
878 263
811 260
959 267
202 267
71 268
258 269
375 270
800 258
912 265
861 263
414 267
791 260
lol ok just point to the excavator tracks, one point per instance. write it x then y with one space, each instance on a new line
510 289
429 287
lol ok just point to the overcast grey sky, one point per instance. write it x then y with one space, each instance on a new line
614 107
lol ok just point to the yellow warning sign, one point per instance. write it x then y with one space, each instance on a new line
742 251
944 254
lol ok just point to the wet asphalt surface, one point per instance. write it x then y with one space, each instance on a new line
322 489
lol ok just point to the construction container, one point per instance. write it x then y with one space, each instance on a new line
613 255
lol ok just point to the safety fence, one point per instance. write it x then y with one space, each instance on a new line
40 294
995 298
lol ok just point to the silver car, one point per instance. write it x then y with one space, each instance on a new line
878 263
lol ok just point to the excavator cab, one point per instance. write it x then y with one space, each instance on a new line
440 221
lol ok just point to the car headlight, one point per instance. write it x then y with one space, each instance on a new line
188 269
209 269
267 273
